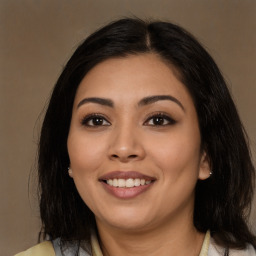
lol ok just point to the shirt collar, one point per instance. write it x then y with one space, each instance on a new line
96 251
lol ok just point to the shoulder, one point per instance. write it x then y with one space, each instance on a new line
42 249
248 251
215 250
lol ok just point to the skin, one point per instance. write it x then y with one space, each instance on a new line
160 220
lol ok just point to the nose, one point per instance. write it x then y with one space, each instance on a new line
126 145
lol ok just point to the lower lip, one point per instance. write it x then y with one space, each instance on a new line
126 193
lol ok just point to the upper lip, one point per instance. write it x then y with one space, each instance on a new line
125 175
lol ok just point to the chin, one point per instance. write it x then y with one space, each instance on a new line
127 219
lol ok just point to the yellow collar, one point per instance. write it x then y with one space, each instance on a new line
205 246
96 251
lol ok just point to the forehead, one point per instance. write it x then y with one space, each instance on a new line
132 77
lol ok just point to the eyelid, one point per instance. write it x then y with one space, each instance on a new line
170 120
89 117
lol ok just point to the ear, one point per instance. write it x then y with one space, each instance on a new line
204 167
70 172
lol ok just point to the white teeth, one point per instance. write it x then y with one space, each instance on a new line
121 183
115 183
137 182
128 183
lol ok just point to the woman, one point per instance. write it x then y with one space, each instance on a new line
142 151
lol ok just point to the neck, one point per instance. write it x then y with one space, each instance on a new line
171 239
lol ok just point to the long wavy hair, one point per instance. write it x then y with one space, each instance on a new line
222 202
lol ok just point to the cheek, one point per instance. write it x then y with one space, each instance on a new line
85 154
176 154
85 158
177 158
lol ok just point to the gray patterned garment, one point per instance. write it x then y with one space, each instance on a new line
70 250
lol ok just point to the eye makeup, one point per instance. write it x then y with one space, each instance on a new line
95 120
159 119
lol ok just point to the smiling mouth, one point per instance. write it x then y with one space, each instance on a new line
127 183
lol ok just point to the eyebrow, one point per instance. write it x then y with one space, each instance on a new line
101 101
155 98
142 102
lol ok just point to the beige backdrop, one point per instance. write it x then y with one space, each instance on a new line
36 39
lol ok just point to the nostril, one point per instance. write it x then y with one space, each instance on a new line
127 157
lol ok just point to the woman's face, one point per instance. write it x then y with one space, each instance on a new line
134 144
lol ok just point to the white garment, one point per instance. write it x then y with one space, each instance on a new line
216 250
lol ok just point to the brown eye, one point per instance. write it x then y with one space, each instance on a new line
95 120
160 120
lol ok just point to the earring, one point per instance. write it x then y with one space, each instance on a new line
210 174
70 171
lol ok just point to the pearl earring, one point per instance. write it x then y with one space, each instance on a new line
70 171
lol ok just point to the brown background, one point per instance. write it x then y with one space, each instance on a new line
36 39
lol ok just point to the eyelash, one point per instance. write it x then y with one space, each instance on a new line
93 117
165 119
